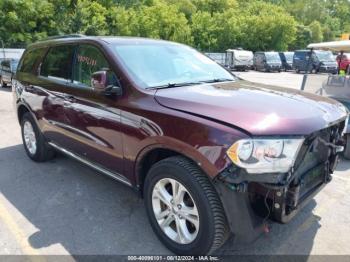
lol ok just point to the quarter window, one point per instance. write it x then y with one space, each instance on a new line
58 63
88 61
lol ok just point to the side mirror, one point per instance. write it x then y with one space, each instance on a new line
113 91
99 80
106 83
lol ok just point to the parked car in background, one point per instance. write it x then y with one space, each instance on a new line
287 60
239 59
212 155
343 61
267 62
320 61
8 68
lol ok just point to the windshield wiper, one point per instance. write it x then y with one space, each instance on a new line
171 85
216 80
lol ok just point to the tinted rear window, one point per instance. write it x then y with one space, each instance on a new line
29 60
300 55
5 63
58 63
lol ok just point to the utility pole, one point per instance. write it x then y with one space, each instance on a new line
3 47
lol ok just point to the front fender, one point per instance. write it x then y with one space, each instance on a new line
180 148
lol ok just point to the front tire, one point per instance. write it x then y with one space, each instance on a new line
34 142
346 152
2 83
183 207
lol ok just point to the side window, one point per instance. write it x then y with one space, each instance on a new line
5 65
88 61
29 60
261 58
58 63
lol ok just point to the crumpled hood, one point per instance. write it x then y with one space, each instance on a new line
256 108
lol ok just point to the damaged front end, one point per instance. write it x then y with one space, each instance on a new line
250 199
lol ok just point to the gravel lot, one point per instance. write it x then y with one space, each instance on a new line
63 207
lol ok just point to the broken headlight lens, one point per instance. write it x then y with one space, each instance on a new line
265 155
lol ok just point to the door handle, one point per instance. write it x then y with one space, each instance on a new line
69 98
29 88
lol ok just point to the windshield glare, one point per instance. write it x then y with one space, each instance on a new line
325 56
163 64
273 57
289 56
14 65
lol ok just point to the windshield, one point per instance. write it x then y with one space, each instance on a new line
273 57
325 56
289 56
14 65
163 64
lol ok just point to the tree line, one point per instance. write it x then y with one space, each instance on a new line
209 25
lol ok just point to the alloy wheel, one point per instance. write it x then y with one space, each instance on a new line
29 137
175 211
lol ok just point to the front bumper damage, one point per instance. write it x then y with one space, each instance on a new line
250 200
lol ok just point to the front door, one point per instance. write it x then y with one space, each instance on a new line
93 119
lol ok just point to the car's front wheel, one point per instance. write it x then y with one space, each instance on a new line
2 83
183 207
346 152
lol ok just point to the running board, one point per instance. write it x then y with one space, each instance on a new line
102 170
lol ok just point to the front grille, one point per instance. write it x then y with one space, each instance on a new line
316 161
316 148
313 168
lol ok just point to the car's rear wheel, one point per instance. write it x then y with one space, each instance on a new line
34 142
183 207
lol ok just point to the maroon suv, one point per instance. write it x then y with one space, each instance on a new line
211 155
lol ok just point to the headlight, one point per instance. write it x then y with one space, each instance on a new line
265 155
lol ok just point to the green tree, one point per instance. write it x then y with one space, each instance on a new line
267 27
23 22
204 31
89 18
303 37
185 6
316 32
122 21
213 6
164 21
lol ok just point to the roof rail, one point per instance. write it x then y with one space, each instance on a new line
62 37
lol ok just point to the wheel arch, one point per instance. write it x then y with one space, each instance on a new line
155 153
21 110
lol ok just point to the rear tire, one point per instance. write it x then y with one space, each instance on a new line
346 152
34 142
209 231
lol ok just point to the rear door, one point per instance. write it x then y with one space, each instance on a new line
93 119
55 74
